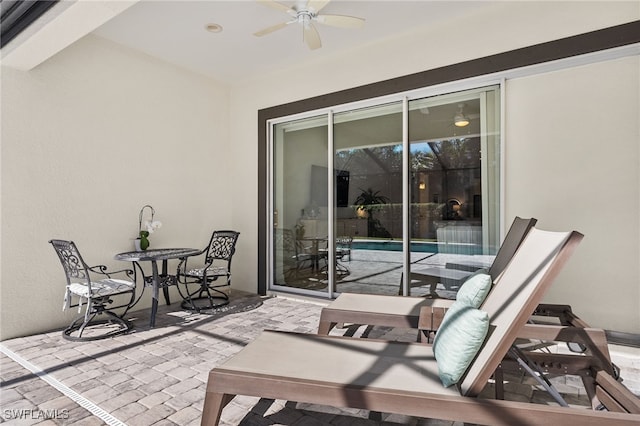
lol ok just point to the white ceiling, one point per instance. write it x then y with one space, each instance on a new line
174 31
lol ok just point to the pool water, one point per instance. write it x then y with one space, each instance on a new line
394 246
422 246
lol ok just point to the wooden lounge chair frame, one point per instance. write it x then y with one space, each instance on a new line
398 377
426 316
599 375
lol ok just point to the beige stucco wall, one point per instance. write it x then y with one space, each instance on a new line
572 161
88 138
97 131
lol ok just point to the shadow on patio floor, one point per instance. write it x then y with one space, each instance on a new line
158 376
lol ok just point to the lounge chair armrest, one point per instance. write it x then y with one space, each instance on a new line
563 312
431 317
594 339
559 333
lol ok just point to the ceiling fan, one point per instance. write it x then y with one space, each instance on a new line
305 13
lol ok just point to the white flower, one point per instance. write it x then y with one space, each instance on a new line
151 226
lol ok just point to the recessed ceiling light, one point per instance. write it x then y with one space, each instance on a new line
460 119
213 28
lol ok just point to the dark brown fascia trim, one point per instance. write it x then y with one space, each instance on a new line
263 177
594 41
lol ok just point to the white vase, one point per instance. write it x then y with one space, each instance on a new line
136 244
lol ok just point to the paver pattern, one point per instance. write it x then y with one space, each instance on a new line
158 376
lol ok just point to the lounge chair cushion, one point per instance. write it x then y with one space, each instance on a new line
475 289
458 340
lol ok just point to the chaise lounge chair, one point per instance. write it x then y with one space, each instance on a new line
403 311
405 378
425 315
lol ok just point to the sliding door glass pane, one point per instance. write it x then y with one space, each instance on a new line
454 188
452 178
368 199
300 205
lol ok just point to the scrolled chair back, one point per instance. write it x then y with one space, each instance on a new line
222 245
74 266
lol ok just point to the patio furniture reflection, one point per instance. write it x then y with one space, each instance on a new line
343 247
292 252
315 251
342 250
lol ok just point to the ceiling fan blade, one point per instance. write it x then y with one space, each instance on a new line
317 5
270 29
341 21
278 6
311 36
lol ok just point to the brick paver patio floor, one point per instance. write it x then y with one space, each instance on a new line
158 376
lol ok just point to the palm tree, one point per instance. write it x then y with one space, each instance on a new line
370 201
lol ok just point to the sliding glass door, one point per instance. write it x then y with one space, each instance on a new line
300 204
371 199
454 186
368 211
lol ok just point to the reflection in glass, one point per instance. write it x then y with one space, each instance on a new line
300 204
454 146
359 179
368 149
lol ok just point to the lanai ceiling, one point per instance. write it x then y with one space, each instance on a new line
174 31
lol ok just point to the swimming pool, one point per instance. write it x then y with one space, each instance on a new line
390 245
421 246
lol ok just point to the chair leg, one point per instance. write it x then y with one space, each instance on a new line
204 292
165 291
78 326
187 301
87 319
498 377
213 404
217 295
325 326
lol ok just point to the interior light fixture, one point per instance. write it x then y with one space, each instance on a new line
460 119
422 185
213 28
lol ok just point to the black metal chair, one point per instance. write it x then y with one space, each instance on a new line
342 250
201 283
95 289
343 247
293 254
